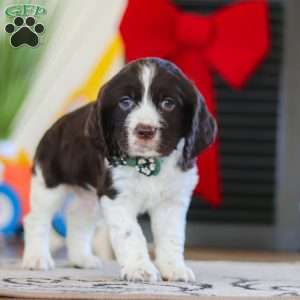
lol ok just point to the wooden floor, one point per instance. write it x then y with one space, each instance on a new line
240 255
14 247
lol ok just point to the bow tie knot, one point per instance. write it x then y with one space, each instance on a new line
194 30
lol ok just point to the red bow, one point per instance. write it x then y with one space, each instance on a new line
232 41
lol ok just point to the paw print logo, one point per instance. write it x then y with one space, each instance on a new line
24 31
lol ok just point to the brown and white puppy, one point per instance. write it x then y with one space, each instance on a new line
148 113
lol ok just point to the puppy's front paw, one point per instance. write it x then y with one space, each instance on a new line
38 262
140 271
86 262
175 271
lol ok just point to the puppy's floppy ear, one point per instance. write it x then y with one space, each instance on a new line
94 129
201 131
98 127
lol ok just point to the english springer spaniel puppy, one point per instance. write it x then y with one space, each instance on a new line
130 152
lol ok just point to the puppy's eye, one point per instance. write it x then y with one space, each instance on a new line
167 104
126 103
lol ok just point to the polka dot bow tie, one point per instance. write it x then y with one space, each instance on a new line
146 166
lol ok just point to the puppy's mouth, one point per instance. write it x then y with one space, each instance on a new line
139 147
144 142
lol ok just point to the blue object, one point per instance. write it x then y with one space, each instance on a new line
10 210
59 219
59 224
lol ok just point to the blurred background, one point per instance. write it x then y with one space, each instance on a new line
250 58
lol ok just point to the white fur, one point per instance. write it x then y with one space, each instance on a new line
101 241
82 216
147 114
37 223
166 197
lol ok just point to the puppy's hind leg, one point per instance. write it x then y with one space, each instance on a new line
101 242
44 202
82 215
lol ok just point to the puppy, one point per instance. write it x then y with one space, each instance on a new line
130 152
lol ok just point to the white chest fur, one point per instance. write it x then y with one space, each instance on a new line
142 192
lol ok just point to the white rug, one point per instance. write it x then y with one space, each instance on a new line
231 279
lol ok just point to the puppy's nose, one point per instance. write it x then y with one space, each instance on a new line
144 131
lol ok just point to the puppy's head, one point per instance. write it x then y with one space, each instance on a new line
146 109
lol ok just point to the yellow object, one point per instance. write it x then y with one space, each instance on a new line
89 90
21 159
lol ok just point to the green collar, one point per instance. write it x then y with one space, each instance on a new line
146 166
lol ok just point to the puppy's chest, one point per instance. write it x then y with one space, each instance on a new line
146 191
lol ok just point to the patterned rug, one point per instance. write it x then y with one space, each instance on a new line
219 279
